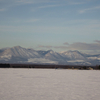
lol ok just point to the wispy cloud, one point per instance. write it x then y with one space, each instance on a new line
84 46
81 46
33 1
48 47
25 1
12 3
52 47
49 6
46 6
78 27
26 20
98 41
32 20
76 3
89 9
3 9
66 43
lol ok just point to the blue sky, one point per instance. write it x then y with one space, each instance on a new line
60 25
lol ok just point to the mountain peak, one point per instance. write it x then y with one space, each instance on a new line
51 51
71 51
17 47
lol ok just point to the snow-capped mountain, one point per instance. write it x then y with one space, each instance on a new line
18 54
75 55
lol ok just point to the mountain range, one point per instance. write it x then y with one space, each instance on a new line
19 54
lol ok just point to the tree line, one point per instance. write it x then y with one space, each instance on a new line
49 66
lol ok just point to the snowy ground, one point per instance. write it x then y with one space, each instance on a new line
49 84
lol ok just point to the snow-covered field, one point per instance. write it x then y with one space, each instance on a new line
49 84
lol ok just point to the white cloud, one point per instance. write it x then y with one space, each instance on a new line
12 3
66 43
84 46
98 41
2 9
81 46
32 20
45 6
88 9
41 46
33 1
76 3
24 1
26 20
49 6
78 27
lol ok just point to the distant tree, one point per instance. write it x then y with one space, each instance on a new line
99 67
4 65
84 67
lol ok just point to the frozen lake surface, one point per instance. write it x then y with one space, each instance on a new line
49 84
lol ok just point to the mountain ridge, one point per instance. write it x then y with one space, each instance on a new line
18 54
